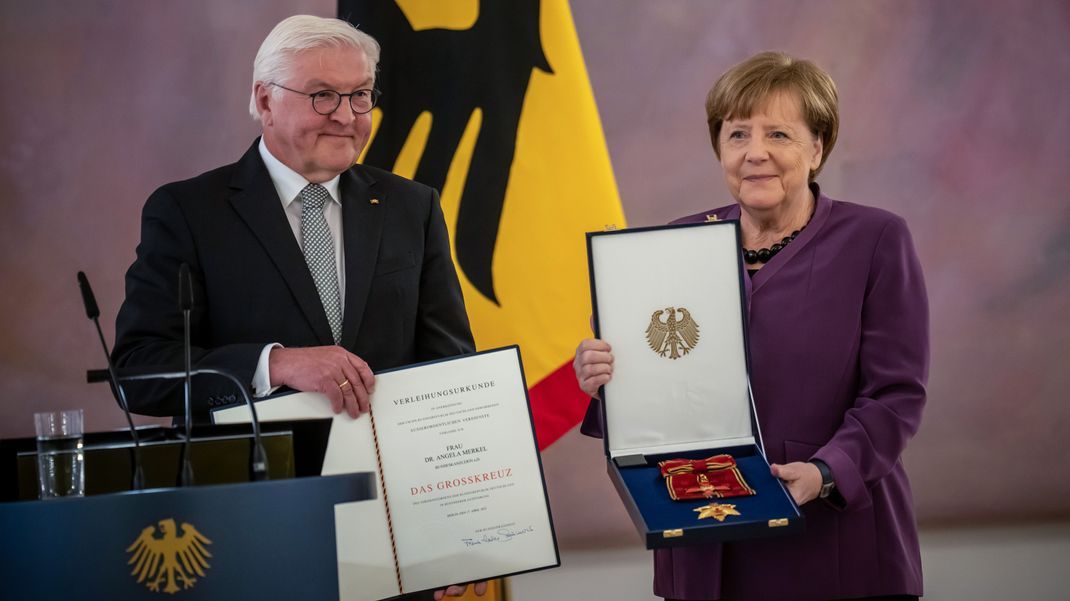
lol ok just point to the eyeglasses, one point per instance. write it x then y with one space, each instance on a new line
326 102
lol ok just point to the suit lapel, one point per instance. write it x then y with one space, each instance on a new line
258 204
362 221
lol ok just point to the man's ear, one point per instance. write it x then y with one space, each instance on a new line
264 98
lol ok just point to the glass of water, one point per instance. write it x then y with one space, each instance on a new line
60 457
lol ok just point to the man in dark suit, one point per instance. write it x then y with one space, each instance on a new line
308 271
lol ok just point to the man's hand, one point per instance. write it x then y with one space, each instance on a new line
456 590
803 480
344 377
593 365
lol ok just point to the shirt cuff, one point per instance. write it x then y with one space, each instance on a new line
262 376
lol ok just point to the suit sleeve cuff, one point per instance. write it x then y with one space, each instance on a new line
592 421
262 376
851 488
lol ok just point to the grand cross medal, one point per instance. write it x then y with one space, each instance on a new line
717 511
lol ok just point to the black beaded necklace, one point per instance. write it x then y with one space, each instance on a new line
764 255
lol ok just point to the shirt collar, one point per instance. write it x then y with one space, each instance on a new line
289 183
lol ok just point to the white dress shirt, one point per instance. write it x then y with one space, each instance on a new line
288 183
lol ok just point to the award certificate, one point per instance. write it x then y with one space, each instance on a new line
461 489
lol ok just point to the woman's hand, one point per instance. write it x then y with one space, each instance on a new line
593 365
456 590
803 480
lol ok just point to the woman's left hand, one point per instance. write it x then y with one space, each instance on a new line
803 480
456 590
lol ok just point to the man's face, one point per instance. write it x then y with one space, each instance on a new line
318 147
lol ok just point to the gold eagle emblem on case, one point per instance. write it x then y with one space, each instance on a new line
169 559
672 337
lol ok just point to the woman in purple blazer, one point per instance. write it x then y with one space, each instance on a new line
838 331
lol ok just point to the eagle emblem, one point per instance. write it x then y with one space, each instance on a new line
167 558
672 338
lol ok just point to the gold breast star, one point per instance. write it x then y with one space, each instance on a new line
717 511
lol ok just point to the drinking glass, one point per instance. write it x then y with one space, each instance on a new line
60 458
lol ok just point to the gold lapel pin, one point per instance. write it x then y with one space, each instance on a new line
710 218
374 201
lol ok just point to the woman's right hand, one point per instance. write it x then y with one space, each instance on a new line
593 365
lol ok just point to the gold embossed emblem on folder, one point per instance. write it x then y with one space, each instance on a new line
166 561
671 337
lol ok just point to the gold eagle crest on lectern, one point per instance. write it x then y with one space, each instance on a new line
167 559
672 338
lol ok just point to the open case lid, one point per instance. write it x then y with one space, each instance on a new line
669 300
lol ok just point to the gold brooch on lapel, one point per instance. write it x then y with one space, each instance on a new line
710 218
374 201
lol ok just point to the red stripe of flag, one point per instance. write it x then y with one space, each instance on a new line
557 405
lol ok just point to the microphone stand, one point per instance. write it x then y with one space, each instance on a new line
185 304
259 463
92 311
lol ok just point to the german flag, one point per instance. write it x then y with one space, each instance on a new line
490 103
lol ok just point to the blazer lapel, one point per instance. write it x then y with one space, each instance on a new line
822 208
258 204
362 221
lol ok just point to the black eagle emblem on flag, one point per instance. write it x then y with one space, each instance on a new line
450 74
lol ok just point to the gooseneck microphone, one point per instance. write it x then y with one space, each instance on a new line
259 464
137 478
185 304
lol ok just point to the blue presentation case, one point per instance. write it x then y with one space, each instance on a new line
670 302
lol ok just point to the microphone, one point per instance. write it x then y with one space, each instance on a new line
185 304
92 311
259 464
137 479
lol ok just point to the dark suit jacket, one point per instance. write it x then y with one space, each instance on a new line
251 285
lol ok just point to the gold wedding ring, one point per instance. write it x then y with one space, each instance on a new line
343 384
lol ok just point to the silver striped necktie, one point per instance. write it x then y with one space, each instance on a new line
318 247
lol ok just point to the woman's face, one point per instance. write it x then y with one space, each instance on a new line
767 157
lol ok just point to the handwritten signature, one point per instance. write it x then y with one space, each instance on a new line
503 535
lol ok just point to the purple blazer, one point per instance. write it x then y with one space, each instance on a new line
838 329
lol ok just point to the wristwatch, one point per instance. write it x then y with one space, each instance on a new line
827 483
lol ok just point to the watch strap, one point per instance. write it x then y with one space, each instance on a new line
827 483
